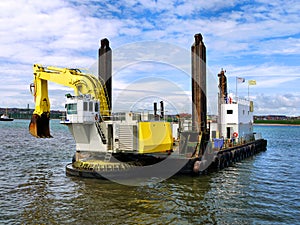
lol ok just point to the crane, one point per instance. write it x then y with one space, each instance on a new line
82 83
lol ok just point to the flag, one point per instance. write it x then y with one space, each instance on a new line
240 79
251 82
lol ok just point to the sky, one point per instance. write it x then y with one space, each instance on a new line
151 41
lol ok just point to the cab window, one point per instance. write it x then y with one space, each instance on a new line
72 108
91 106
85 106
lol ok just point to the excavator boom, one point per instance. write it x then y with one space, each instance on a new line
81 83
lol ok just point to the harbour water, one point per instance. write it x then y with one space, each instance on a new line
264 189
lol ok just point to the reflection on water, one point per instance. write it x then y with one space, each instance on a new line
34 188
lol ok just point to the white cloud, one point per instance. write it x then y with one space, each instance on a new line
139 88
287 104
284 46
264 71
255 39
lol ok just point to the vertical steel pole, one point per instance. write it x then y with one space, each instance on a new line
199 107
105 68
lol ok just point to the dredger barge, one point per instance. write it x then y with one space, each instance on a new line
131 144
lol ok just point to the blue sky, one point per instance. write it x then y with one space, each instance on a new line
257 39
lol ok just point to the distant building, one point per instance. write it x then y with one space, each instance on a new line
272 117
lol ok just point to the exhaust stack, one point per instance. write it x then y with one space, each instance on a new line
155 110
105 69
162 110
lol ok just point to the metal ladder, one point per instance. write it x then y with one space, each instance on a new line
100 132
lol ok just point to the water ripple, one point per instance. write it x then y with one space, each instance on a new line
34 189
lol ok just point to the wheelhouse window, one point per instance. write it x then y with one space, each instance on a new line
85 106
229 111
72 108
96 107
91 106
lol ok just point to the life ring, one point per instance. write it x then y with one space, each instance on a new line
235 134
96 117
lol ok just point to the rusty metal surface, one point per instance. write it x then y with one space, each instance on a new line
222 86
39 126
199 108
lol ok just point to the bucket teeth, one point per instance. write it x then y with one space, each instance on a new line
39 126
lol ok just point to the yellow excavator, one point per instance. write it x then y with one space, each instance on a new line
82 83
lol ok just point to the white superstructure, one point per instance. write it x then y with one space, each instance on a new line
121 132
236 119
82 118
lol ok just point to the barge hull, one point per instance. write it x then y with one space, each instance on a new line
221 160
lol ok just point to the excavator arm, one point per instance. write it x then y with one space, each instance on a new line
81 83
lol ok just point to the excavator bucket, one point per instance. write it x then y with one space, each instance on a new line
39 126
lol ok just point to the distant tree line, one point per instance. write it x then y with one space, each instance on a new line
26 113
